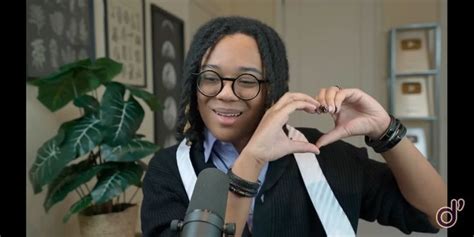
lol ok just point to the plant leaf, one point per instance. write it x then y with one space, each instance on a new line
151 100
73 80
63 70
115 180
69 179
134 150
88 103
84 134
77 207
50 160
106 69
121 119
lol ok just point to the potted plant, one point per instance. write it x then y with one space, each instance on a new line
101 146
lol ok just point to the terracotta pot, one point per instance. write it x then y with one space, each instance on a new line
116 224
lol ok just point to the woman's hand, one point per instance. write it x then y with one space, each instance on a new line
269 141
354 113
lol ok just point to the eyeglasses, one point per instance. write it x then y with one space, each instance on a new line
245 86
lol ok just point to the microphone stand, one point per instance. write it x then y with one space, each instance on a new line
203 222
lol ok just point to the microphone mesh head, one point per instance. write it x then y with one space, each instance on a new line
210 192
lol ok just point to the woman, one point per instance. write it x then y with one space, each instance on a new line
233 116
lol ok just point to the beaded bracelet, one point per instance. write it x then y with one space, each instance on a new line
391 137
242 187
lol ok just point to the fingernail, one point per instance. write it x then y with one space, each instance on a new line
323 108
335 110
331 108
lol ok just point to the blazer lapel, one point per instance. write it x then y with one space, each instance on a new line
275 171
275 168
197 158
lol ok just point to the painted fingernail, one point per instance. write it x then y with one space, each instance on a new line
335 110
323 109
330 108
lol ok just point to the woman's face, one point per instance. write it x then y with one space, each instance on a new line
229 118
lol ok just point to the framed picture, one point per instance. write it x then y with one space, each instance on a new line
168 56
412 97
125 39
413 51
57 33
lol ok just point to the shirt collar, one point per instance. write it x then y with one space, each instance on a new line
211 142
208 144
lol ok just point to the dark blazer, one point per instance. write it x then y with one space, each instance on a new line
364 188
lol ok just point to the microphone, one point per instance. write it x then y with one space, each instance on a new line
206 211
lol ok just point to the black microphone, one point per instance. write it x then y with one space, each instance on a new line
206 211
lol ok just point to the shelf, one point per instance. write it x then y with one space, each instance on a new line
414 79
414 74
417 26
429 118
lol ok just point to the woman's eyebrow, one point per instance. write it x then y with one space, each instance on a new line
211 66
251 69
240 69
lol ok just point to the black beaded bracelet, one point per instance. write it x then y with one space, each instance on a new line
241 192
242 187
391 137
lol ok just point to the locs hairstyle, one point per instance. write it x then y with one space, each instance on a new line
272 52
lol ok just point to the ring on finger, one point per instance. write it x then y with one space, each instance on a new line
323 109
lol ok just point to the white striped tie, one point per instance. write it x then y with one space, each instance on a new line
330 212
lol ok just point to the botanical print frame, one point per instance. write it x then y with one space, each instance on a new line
57 33
168 57
125 39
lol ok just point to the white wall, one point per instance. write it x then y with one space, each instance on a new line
333 43
342 42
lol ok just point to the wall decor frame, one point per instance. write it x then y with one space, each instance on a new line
57 33
168 56
125 39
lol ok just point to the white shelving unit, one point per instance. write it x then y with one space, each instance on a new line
414 82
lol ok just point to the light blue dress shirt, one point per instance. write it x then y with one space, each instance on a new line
223 156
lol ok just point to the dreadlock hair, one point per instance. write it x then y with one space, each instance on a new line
272 53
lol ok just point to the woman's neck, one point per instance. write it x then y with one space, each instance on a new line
240 145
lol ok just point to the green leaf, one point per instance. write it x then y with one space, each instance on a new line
84 134
77 207
69 179
50 160
121 119
73 80
134 150
57 75
88 103
149 98
58 90
107 69
77 64
114 181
